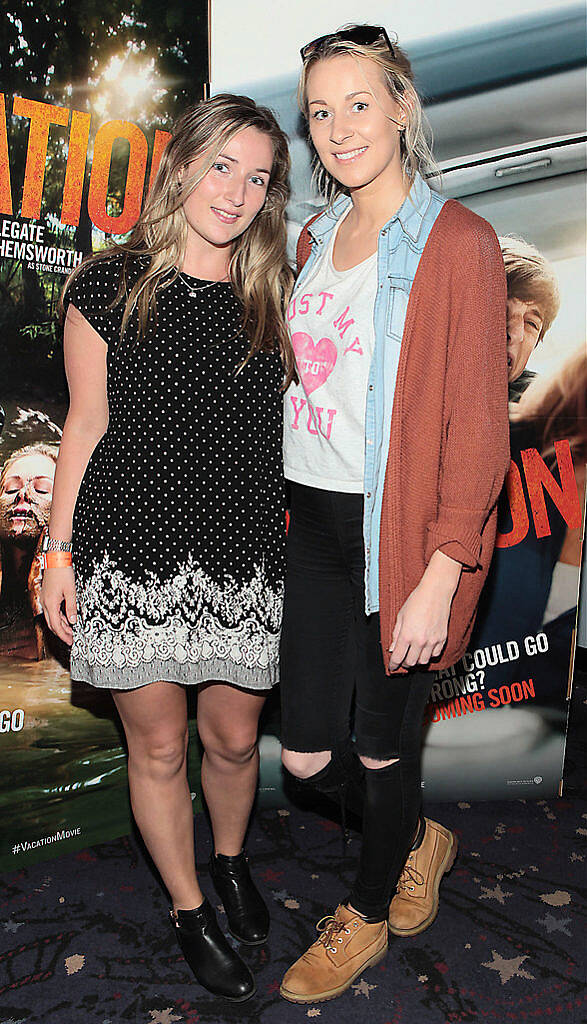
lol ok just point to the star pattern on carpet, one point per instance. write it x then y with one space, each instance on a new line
497 894
532 939
555 924
559 898
363 988
508 969
281 895
166 1016
12 926
74 963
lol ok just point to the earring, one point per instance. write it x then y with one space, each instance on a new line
399 121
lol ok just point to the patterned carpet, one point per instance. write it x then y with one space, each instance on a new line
85 937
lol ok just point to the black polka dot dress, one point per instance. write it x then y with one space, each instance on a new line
179 529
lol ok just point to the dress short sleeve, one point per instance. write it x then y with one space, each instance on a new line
93 292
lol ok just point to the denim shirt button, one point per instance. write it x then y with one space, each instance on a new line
368 494
371 387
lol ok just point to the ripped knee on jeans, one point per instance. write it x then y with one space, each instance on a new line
374 762
304 765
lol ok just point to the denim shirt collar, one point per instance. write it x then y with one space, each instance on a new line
410 214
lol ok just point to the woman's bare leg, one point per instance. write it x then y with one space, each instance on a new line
155 723
228 721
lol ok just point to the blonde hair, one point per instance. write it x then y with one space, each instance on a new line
50 451
398 77
558 405
530 278
259 272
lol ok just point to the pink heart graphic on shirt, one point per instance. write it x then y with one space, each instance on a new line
316 360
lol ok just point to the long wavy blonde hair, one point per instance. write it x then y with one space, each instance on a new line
415 140
259 272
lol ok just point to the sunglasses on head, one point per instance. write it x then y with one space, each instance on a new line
363 35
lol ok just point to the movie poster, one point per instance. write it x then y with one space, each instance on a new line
88 95
495 725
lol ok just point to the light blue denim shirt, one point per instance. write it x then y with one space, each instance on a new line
399 248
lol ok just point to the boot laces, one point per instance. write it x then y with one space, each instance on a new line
329 928
410 878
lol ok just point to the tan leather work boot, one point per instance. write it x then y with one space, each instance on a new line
346 947
415 904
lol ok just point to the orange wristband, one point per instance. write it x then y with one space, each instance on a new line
57 559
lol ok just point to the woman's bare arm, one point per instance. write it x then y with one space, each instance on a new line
86 422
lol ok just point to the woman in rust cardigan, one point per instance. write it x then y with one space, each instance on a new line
396 448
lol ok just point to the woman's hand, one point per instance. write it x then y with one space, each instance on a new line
58 588
422 622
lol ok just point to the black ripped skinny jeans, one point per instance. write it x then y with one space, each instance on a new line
330 653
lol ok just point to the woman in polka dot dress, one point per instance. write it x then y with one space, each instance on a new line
169 492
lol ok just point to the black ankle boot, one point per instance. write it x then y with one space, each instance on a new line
248 917
215 964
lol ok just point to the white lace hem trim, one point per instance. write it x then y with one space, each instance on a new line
185 625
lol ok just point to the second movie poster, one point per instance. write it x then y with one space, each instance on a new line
510 150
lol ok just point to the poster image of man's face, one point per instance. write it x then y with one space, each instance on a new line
524 326
26 491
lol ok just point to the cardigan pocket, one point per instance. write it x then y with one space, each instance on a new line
397 305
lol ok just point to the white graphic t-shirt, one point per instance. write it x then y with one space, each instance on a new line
331 324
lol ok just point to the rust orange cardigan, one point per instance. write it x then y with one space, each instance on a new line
449 442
